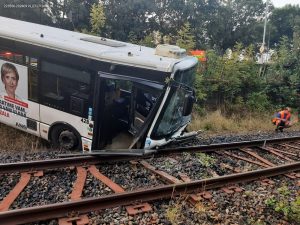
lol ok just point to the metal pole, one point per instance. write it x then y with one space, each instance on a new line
262 50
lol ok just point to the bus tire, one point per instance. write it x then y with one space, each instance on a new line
64 138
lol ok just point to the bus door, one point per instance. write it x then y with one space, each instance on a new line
124 107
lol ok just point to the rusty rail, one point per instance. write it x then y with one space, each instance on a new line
58 210
85 160
224 146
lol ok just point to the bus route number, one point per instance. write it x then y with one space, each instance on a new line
84 120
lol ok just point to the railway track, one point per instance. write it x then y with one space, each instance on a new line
262 160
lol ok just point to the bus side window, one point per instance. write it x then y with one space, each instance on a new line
32 78
12 56
66 88
144 102
5 55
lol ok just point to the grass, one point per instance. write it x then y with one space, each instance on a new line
16 140
285 203
176 210
204 159
216 123
174 213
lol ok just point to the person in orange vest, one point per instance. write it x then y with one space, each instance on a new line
282 119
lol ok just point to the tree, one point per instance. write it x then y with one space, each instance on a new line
69 14
185 39
31 10
283 21
200 14
280 76
232 20
127 16
148 41
296 35
167 16
233 82
97 19
132 38
78 13
58 12
296 51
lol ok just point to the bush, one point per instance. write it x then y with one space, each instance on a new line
258 102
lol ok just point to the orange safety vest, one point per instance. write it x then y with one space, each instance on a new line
282 115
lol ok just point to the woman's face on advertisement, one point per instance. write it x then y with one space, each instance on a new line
10 81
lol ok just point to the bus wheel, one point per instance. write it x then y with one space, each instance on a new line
62 137
67 140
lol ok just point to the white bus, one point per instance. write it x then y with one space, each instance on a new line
86 92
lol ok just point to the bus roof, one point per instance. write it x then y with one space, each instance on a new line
85 45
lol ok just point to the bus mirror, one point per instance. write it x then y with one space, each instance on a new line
188 104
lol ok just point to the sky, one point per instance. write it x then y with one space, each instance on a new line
280 3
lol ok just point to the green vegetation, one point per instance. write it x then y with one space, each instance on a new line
255 222
185 39
214 24
230 85
236 85
282 203
204 159
174 211
168 164
243 95
97 18
216 122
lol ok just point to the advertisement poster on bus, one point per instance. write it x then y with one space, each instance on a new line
13 94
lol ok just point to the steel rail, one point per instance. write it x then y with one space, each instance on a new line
214 147
58 210
79 160
46 164
83 160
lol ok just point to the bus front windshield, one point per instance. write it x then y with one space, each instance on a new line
173 118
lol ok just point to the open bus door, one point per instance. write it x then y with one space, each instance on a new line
124 110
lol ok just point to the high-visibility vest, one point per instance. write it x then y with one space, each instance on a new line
284 114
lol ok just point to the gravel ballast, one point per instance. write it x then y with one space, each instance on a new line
251 206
